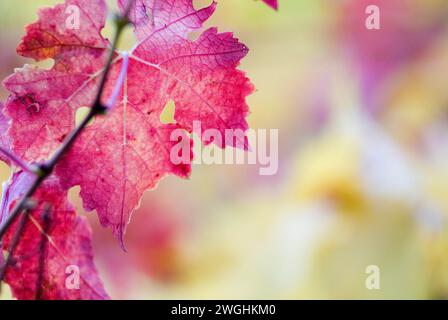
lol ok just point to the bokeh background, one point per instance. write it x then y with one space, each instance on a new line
363 171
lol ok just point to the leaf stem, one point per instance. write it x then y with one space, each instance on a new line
120 81
15 159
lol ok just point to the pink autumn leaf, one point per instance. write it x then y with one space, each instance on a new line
122 155
52 250
43 103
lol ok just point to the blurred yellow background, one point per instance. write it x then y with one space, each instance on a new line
363 174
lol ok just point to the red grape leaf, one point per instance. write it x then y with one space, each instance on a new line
5 141
272 3
121 156
43 102
43 262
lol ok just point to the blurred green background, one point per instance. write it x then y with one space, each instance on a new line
363 174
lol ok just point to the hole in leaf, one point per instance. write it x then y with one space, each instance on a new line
75 198
5 172
109 29
194 35
81 113
127 38
167 115
46 64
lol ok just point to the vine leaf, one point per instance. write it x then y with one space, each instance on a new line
5 141
43 262
43 103
119 157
